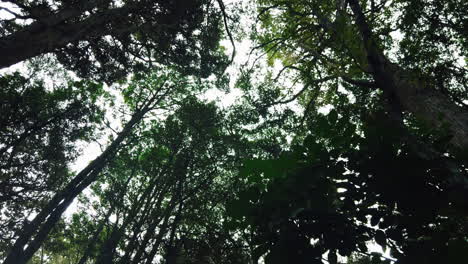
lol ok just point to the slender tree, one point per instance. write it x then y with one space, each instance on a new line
36 231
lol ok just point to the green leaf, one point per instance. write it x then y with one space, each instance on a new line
380 238
332 117
237 208
296 212
332 257
375 220
362 247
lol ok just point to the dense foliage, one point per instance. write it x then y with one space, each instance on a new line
107 39
347 142
38 133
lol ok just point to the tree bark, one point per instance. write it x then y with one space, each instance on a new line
144 201
133 243
93 240
54 32
407 92
162 231
179 168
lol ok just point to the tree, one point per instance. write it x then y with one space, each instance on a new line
409 188
344 189
164 190
92 38
351 41
143 101
349 178
39 130
173 186
339 148
176 30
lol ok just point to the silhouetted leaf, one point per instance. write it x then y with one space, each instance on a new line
380 238
332 257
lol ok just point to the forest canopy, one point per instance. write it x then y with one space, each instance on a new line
345 138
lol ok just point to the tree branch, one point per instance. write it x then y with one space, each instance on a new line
294 97
225 16
360 83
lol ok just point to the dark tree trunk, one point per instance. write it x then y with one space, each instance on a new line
144 201
152 214
52 33
159 237
405 92
152 227
35 232
93 240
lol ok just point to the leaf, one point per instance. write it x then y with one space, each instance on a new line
375 220
230 225
380 238
332 257
277 255
237 208
260 250
322 127
270 259
332 117
362 247
376 256
296 212
386 222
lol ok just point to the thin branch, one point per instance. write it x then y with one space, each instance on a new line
14 13
360 83
284 69
225 16
381 256
266 9
307 108
294 97
107 124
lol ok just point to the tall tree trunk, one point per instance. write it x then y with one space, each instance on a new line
404 91
51 33
133 243
161 232
35 232
92 242
95 237
143 203
179 170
